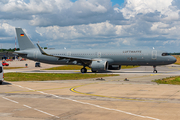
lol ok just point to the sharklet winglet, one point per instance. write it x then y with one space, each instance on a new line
42 51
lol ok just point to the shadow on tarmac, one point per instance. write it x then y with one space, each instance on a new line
6 83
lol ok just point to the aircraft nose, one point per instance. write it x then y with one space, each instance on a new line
173 59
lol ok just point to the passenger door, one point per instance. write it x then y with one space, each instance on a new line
154 54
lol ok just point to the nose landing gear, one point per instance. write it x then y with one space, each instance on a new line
155 71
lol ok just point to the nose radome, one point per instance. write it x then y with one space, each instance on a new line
174 59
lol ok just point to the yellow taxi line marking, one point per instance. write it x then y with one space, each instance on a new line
73 90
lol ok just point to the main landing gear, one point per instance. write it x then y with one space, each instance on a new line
83 70
155 71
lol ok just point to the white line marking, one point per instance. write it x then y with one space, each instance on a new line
31 108
94 106
29 88
57 96
113 109
18 86
43 112
27 106
10 100
41 92
106 108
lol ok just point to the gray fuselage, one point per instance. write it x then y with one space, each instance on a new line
114 57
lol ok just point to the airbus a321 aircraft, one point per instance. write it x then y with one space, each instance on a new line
96 59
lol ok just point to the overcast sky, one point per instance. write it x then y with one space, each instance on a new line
109 24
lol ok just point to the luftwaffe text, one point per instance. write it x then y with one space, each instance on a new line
131 51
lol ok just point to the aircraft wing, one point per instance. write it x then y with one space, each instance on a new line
81 59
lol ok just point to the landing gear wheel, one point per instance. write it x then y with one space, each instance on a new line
155 71
83 70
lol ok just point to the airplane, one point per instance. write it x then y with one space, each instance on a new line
98 60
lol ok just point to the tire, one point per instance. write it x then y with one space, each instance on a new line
1 82
83 70
155 71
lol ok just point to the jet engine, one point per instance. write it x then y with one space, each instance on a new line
114 67
99 66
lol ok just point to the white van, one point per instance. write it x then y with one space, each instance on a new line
1 74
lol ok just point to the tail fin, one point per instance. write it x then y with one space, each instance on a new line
23 40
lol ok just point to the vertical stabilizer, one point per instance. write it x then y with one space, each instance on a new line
23 41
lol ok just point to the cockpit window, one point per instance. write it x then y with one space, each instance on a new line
165 54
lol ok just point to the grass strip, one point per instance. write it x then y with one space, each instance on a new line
7 68
67 67
169 80
77 67
50 76
128 67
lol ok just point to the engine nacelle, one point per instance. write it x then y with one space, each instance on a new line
114 67
99 66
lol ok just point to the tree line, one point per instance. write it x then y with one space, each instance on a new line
9 50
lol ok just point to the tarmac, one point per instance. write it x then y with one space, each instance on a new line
92 99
